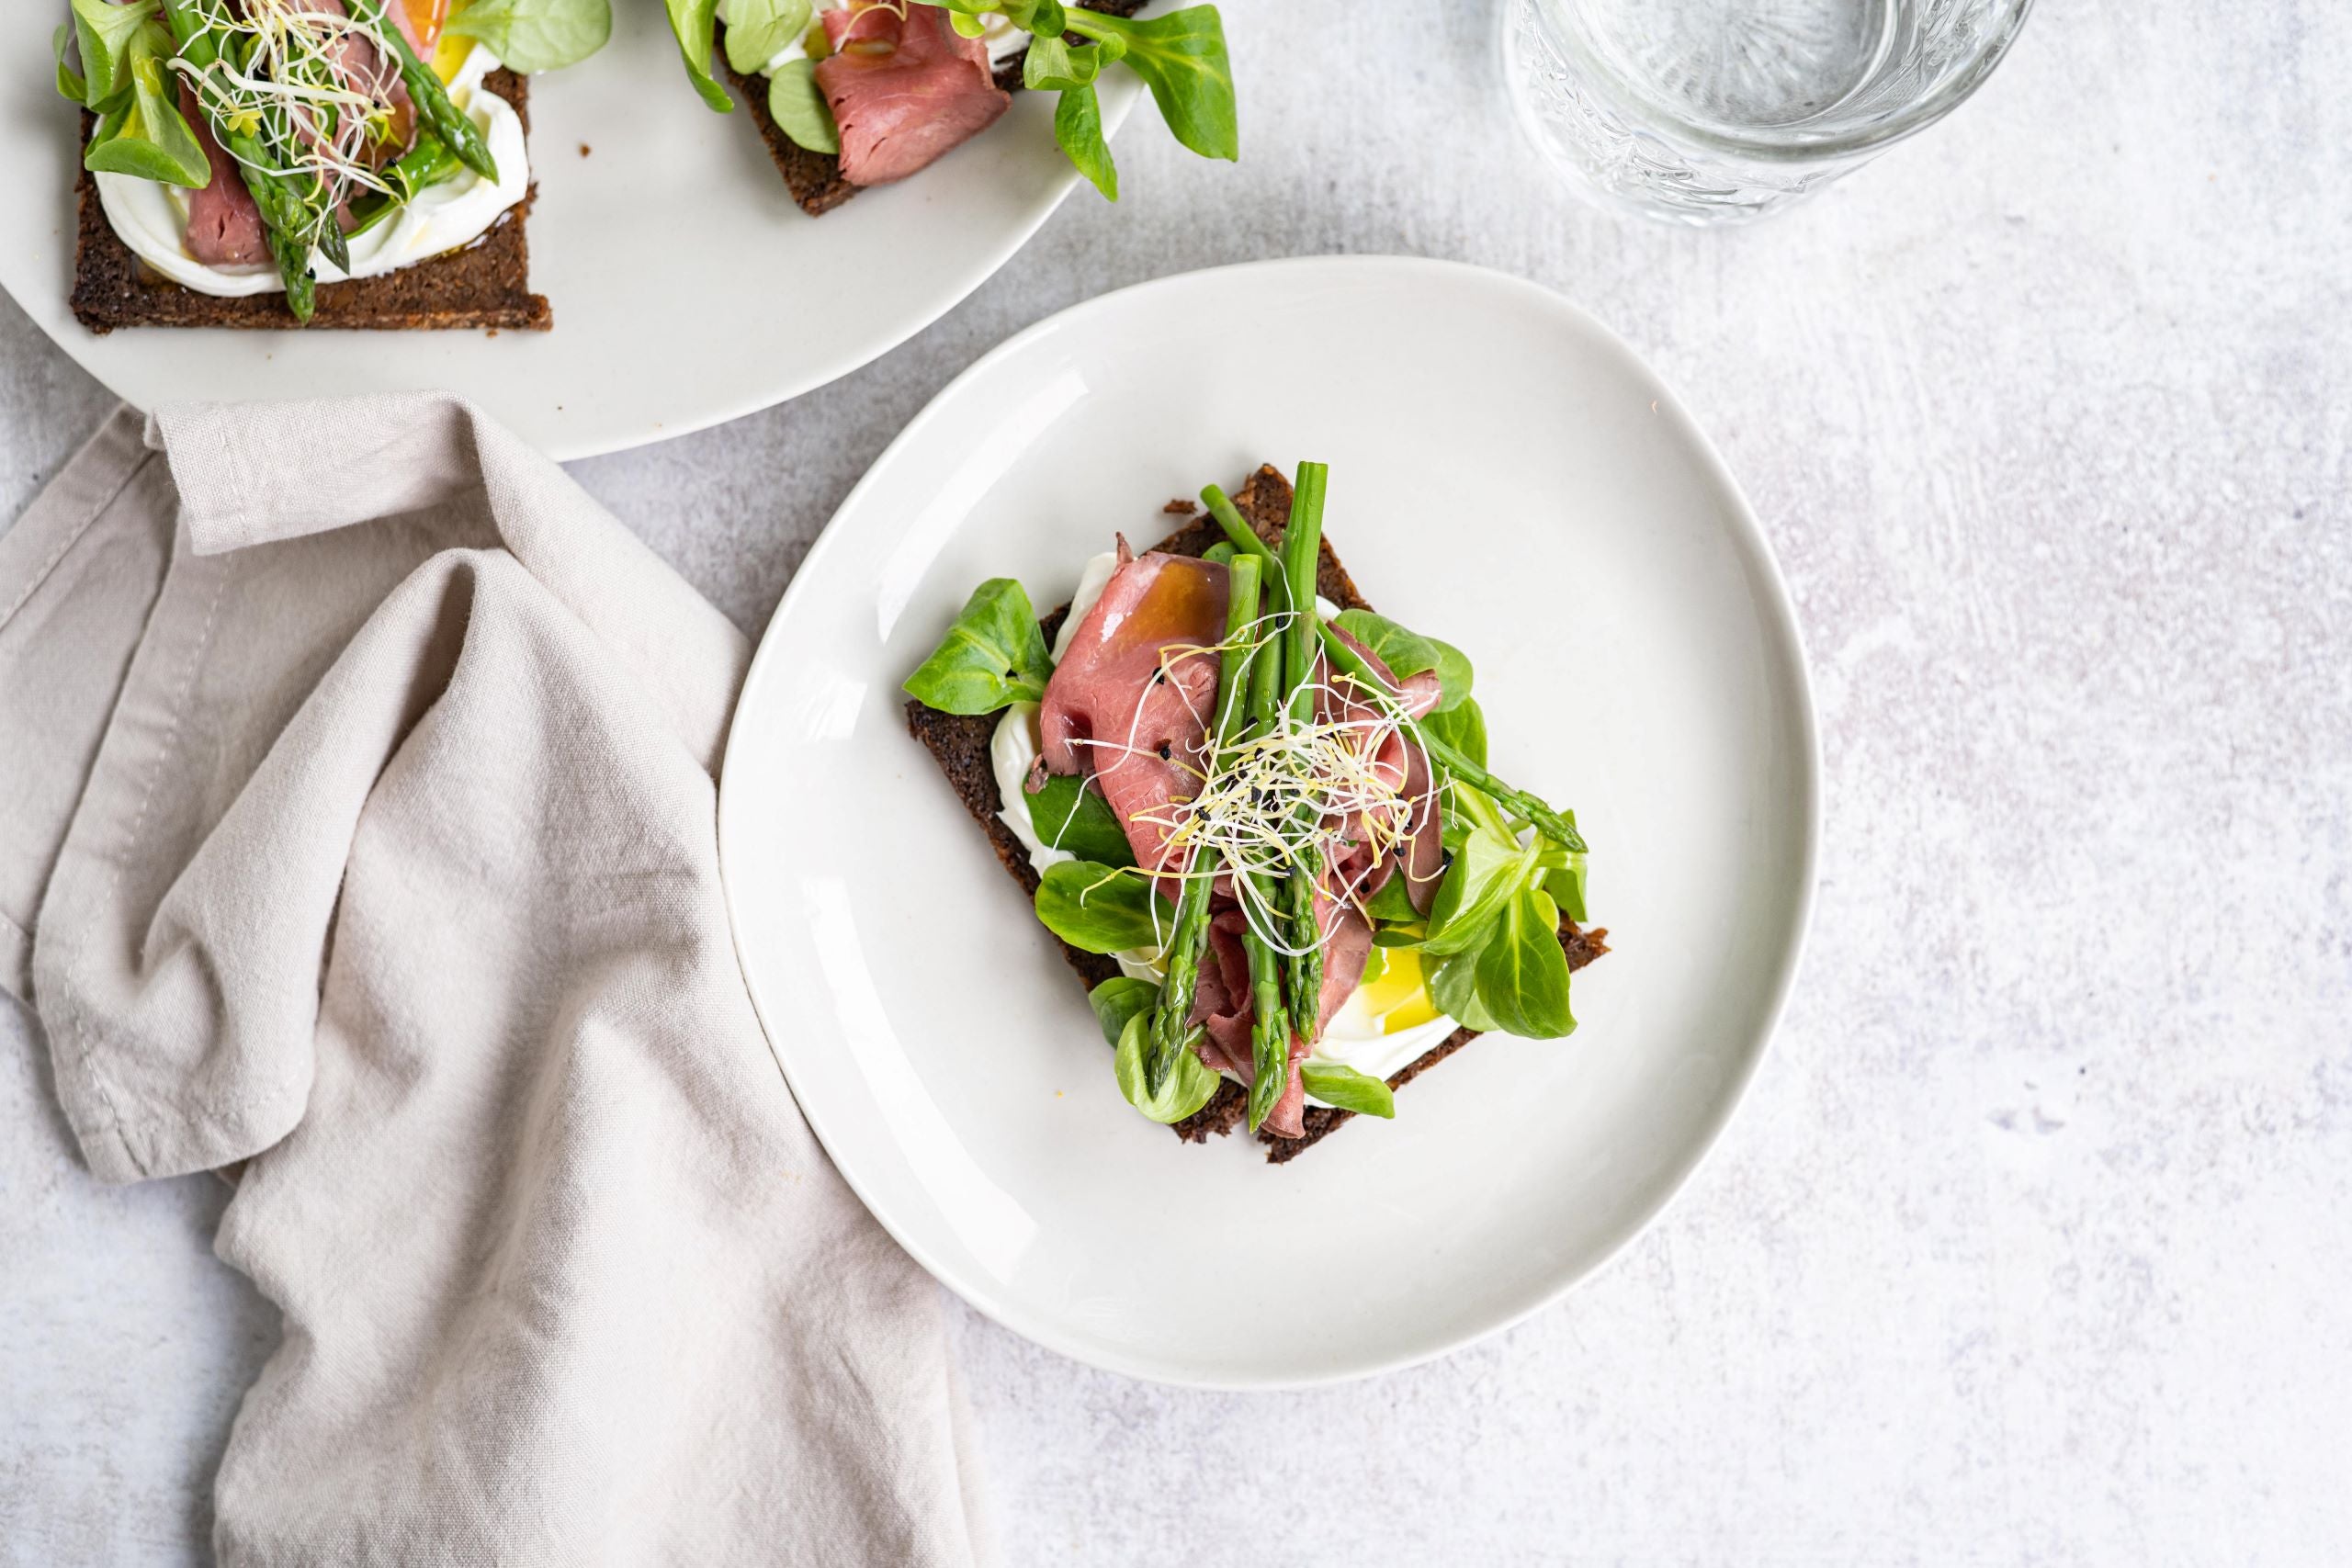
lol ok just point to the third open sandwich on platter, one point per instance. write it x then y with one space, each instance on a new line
850 94
1221 807
258 163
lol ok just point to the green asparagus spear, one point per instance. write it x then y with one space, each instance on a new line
1270 1032
332 243
1302 550
293 258
1171 1017
432 99
423 165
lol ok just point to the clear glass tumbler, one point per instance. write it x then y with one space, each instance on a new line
1713 111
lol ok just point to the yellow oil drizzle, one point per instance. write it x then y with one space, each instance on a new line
1398 999
449 52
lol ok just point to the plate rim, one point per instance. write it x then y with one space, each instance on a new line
1781 617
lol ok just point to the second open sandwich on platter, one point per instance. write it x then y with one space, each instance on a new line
1259 818
264 163
850 94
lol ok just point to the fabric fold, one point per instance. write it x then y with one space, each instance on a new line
375 846
98 539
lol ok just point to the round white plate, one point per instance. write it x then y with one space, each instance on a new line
1506 475
687 289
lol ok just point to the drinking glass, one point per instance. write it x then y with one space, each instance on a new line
1713 111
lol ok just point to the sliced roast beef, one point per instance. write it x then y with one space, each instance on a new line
904 88
1131 700
1360 871
223 224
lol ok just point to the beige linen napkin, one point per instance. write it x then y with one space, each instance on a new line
358 787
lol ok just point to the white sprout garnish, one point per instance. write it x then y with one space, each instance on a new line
1309 791
280 76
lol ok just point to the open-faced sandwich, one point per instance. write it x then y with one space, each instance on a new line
855 93
260 162
1259 818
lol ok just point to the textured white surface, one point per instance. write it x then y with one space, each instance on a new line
2034 1240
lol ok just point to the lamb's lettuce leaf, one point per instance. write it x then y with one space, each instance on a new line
127 81
694 24
1523 973
1116 1000
1102 908
758 30
1189 1085
535 35
798 105
1182 58
1068 816
1347 1088
993 654
1078 131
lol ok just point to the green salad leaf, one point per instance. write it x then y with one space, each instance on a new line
105 30
757 30
1068 816
694 24
1453 981
1522 974
1565 886
1051 65
140 131
798 105
535 35
1405 652
70 83
1491 949
1488 869
992 655
1462 727
1189 1085
1102 908
1078 131
1455 676
1408 653
1394 903
1347 1088
1047 18
1182 58
1116 1000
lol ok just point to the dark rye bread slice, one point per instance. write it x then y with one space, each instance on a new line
484 285
815 178
959 743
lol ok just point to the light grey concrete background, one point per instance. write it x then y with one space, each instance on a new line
2035 1241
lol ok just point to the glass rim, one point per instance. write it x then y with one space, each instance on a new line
1800 147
